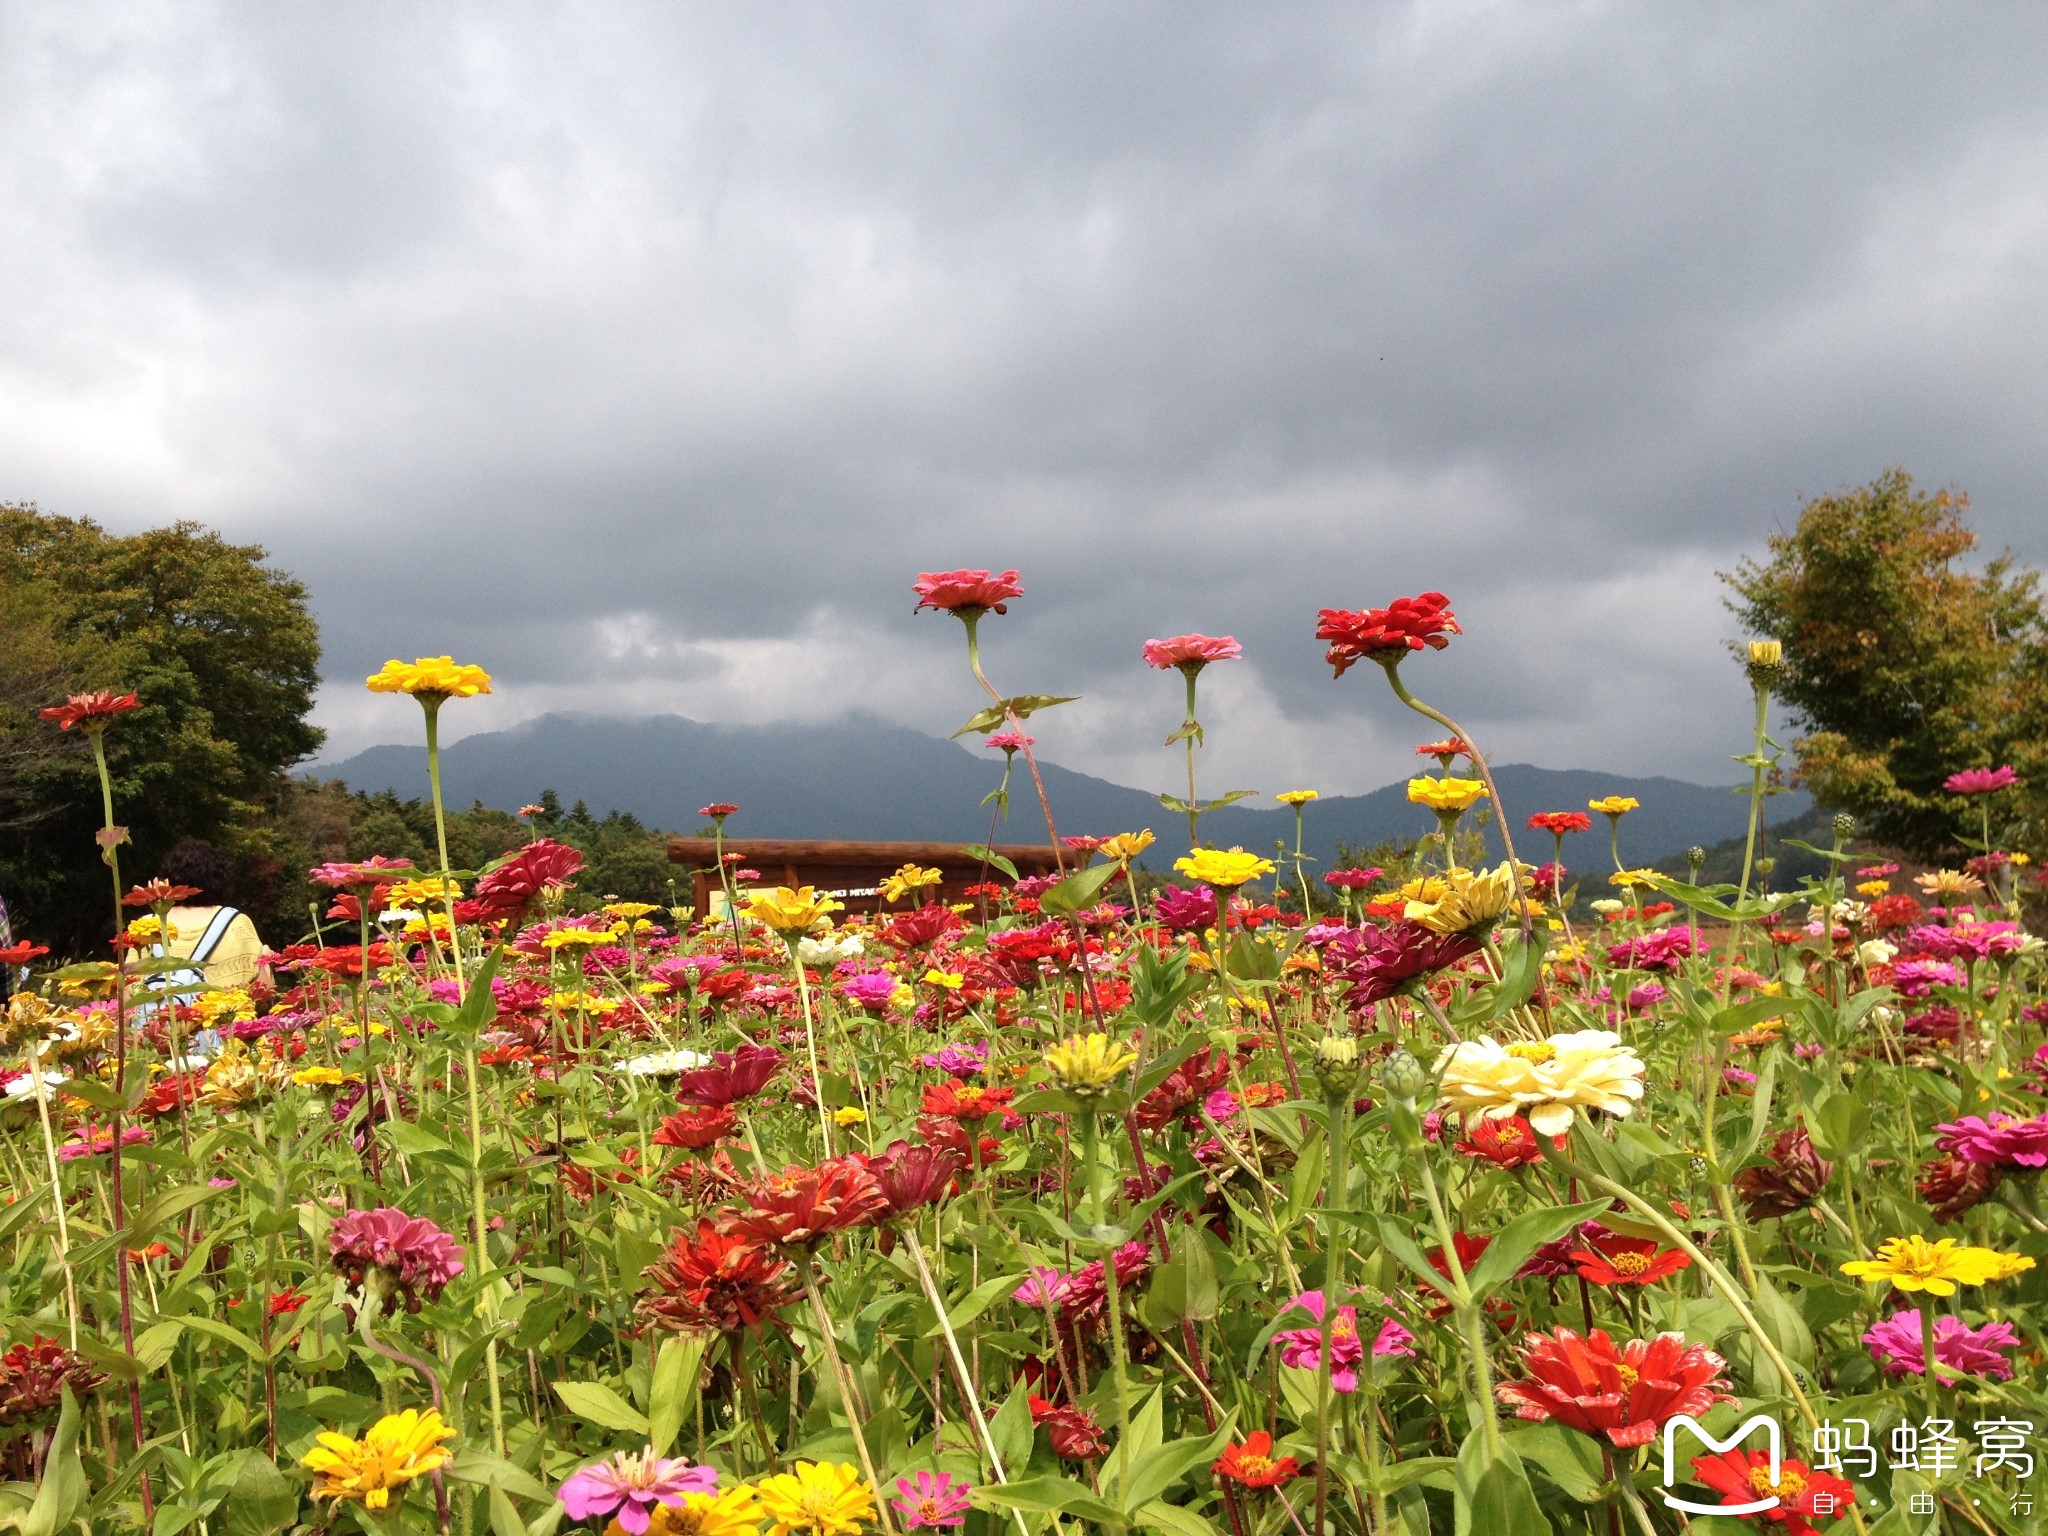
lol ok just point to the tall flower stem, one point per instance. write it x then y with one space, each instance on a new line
1010 717
1471 1324
1099 1201
431 703
366 1317
803 992
1762 689
1191 733
1393 671
42 1092
845 1380
1338 1106
110 845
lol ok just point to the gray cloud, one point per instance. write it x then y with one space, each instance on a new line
644 353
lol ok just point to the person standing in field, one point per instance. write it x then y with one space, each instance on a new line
220 940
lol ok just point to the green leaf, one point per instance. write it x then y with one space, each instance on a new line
1571 1461
987 720
505 1519
61 1493
601 1406
1076 891
1396 1239
1162 1468
1042 1494
1512 1245
976 1302
1493 1495
168 1206
1174 1520
990 857
1709 900
673 1390
415 1140
1025 705
154 1344
213 1328
262 1500
1185 1286
1010 1429
1179 807
480 1468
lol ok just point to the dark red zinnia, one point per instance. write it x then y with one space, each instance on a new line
1386 634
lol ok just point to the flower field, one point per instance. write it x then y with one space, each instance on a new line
1413 1199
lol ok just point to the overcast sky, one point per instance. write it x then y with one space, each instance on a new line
643 354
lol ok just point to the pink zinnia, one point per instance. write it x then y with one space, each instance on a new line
967 593
418 1256
1658 951
1191 653
93 1143
1916 978
633 1487
1897 1345
1303 1347
870 989
1980 781
2003 1141
1009 741
932 1499
1183 911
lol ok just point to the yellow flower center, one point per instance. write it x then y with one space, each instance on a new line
1538 1051
1788 1486
1630 1264
1255 1466
1629 1375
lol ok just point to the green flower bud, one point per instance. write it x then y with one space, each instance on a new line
1403 1077
1845 826
1336 1059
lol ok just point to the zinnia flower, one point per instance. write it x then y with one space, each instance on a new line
1790 1182
1544 1079
969 594
1251 1463
1951 1186
1613 1259
1089 1065
931 1501
1980 781
510 889
1386 634
1898 1346
398 1448
1302 1348
632 1487
1744 1477
1626 1393
736 1513
1297 796
1445 795
91 711
415 1256
1182 911
802 1206
1915 1264
792 913
731 1076
1191 653
1559 823
1126 846
430 679
33 1377
1223 869
818 1498
1382 962
1072 1432
913 1177
2004 1141
709 1280
1614 805
1465 901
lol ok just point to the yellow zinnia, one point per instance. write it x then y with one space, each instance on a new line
1087 1065
1297 796
952 981
850 1115
1614 805
1221 868
1126 846
911 877
427 891
398 1448
817 1499
576 938
430 679
1634 879
629 909
1542 1079
1915 1264
1463 900
792 913
1446 794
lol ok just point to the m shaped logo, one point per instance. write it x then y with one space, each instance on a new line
1773 1438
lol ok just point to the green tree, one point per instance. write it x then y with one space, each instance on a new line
1902 663
224 655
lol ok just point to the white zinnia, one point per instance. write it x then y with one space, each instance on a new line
665 1064
1543 1079
823 953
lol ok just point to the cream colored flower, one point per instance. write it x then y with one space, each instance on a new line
1543 1079
1467 900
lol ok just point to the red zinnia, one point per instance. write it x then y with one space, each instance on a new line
1558 823
1386 634
286 1302
732 1075
156 893
1743 1477
710 1279
696 1126
22 953
967 593
1508 1143
954 1102
912 1177
717 810
522 880
1626 1394
1252 1463
1072 1432
802 1206
1617 1260
91 710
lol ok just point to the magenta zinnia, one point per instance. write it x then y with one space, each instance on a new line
633 1487
414 1255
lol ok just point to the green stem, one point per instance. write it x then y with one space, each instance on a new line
1339 1109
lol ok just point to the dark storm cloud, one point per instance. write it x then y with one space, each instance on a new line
645 353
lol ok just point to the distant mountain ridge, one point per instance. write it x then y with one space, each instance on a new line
864 779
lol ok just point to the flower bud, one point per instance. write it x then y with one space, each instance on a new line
1403 1077
1336 1059
1766 661
1845 825
1695 856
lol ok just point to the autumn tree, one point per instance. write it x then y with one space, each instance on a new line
1904 663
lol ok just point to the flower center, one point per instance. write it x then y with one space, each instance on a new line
1629 1374
1788 1486
1538 1051
1629 1263
928 1511
1255 1466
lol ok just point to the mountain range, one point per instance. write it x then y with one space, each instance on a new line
864 779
